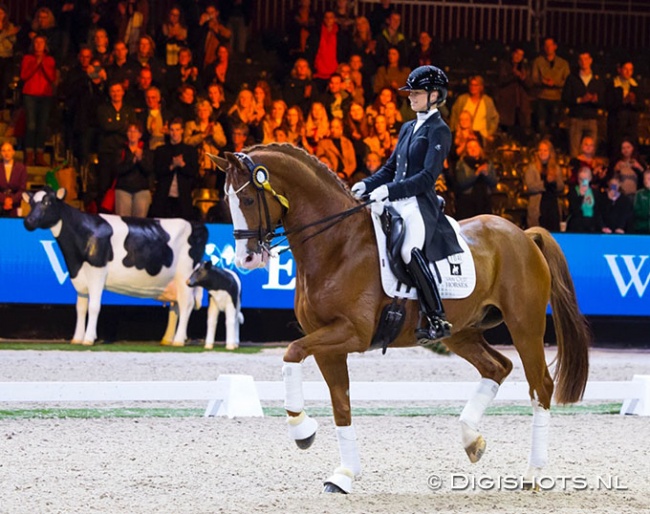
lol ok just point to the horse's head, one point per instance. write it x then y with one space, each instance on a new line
46 206
255 207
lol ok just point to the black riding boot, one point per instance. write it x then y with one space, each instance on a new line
430 301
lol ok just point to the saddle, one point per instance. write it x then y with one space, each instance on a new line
392 224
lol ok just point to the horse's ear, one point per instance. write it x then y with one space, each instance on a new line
60 193
222 164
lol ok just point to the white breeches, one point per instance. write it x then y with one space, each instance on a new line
414 225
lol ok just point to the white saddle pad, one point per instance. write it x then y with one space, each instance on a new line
457 271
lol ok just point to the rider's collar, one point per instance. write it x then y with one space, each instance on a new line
423 116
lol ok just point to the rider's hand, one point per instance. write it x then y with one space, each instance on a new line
380 194
358 190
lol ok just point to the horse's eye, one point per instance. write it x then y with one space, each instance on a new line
247 202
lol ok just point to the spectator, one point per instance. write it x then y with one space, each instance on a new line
44 25
297 90
393 119
361 78
101 48
326 48
262 96
317 126
136 96
624 103
184 105
273 120
132 188
175 168
393 74
221 72
544 182
239 137
213 35
184 72
113 118
345 71
371 164
462 134
237 15
583 94
219 113
294 123
356 128
629 167
380 141
207 137
379 16
7 43
512 98
132 18
481 106
386 95
280 135
365 46
339 150
424 53
38 74
589 159
146 58
344 15
122 68
13 182
392 37
585 214
173 36
155 119
618 211
301 25
475 178
244 110
642 206
549 74
335 99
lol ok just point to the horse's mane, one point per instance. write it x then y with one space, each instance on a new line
309 160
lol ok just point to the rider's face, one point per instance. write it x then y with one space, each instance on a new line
418 99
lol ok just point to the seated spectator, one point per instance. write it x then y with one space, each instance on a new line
544 182
13 182
8 34
642 206
356 128
339 150
424 53
393 118
629 167
344 14
294 123
386 95
155 119
297 90
371 164
219 111
475 179
184 72
363 93
173 36
131 20
212 35
301 24
240 137
146 58
175 168
392 37
364 46
280 135
585 205
244 110
122 68
134 176
380 141
618 211
392 75
184 105
136 96
317 126
273 120
462 134
221 72
263 98
480 106
588 158
379 16
207 137
335 99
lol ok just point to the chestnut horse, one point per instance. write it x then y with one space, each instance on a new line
339 297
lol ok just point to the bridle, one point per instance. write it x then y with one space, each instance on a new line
265 232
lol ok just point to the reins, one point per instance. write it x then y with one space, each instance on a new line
260 179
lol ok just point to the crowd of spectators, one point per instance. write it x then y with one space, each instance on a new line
142 105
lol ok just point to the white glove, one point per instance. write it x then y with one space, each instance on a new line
380 194
358 190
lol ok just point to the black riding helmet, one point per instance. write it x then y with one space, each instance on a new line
429 78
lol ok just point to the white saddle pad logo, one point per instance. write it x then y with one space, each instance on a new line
457 271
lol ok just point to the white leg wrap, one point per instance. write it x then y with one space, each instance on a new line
348 450
301 427
539 446
293 398
475 407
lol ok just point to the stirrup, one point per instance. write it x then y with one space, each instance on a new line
437 329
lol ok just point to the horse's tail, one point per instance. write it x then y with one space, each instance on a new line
571 328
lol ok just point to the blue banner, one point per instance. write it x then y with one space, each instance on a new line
611 272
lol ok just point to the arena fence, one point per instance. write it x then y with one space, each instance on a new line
241 396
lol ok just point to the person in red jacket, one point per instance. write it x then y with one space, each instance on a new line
38 73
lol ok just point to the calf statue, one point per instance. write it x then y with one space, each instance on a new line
224 290
146 258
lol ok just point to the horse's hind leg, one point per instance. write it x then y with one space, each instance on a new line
335 371
494 368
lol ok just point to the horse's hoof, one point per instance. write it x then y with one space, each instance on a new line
87 343
329 487
165 342
178 344
231 346
76 341
208 347
303 444
530 485
476 450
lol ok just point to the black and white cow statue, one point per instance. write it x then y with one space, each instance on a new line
224 290
146 258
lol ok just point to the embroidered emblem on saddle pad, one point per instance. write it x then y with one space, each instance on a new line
457 271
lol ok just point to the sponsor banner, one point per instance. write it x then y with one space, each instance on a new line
611 272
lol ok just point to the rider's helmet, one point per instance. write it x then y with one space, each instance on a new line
428 78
